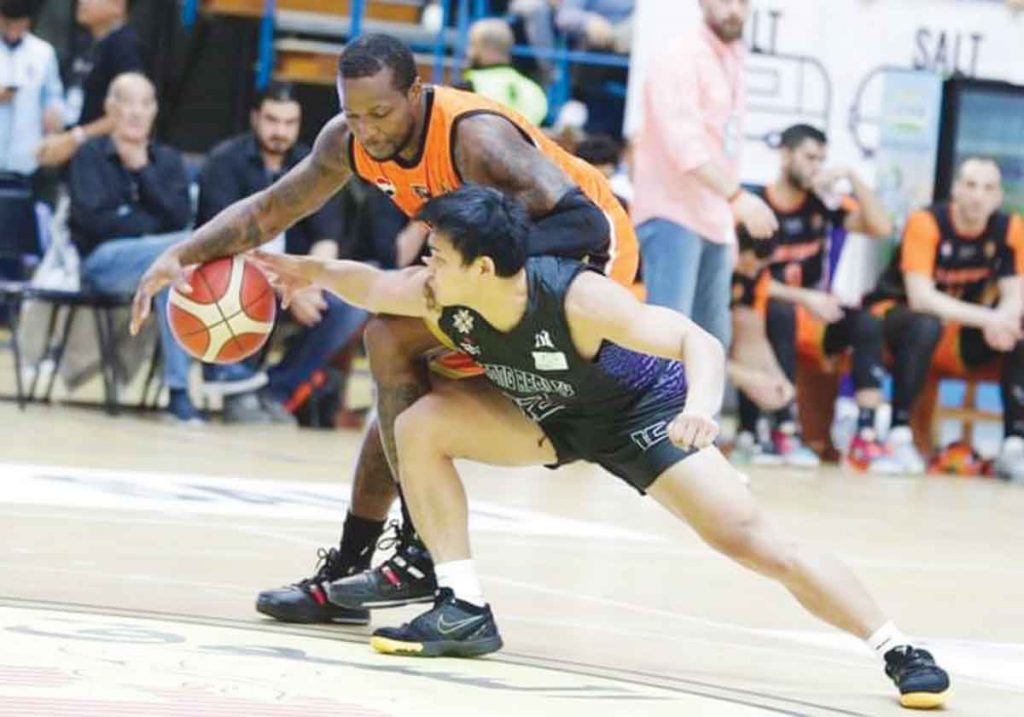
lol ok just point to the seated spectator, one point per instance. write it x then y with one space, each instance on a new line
115 50
30 106
491 73
599 26
129 202
952 296
802 316
245 165
536 20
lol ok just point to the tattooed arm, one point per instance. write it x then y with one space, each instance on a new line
490 150
257 219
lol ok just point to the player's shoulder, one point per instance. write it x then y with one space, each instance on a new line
923 223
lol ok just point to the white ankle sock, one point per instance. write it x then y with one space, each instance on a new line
885 638
460 576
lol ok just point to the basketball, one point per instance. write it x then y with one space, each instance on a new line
229 314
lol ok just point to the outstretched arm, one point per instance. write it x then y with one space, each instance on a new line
257 219
404 292
599 309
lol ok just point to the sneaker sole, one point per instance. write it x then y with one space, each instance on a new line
924 700
436 648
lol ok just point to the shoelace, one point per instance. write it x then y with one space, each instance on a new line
391 536
326 567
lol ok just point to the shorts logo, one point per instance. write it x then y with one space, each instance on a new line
470 348
647 438
542 340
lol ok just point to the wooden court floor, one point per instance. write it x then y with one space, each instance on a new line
131 551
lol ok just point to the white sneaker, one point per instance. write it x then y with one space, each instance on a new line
903 457
1010 463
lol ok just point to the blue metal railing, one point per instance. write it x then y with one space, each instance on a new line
466 11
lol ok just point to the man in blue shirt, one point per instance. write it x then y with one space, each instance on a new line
237 168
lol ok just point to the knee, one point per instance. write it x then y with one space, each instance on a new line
752 543
866 328
414 427
925 329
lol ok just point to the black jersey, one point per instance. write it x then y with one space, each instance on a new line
536 363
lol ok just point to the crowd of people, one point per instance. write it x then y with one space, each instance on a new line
665 218
751 265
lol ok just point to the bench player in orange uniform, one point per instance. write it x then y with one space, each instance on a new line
414 142
952 298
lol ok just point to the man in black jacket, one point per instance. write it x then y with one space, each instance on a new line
129 202
235 169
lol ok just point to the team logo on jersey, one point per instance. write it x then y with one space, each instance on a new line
385 186
421 191
946 250
990 249
817 222
542 340
463 321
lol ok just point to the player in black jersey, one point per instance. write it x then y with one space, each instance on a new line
576 369
802 316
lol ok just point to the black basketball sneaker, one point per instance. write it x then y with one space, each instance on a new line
306 601
452 628
922 684
406 577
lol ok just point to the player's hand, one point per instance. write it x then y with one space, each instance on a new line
167 269
1003 331
288 273
56 149
824 306
307 306
753 213
770 390
693 430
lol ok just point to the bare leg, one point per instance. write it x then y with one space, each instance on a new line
434 432
706 492
373 490
395 347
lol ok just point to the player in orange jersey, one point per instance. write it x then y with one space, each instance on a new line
413 141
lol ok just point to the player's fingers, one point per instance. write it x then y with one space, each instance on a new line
140 310
181 285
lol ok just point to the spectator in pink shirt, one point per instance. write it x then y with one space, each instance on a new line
688 196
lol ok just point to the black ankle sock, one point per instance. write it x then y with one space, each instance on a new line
865 418
358 540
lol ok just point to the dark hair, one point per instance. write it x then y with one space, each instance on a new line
480 221
275 92
794 136
16 9
369 54
599 149
986 158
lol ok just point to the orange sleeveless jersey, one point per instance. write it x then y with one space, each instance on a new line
433 171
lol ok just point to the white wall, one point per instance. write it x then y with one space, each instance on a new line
850 39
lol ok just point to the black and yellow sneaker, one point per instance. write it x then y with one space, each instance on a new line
923 685
406 577
306 601
452 628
